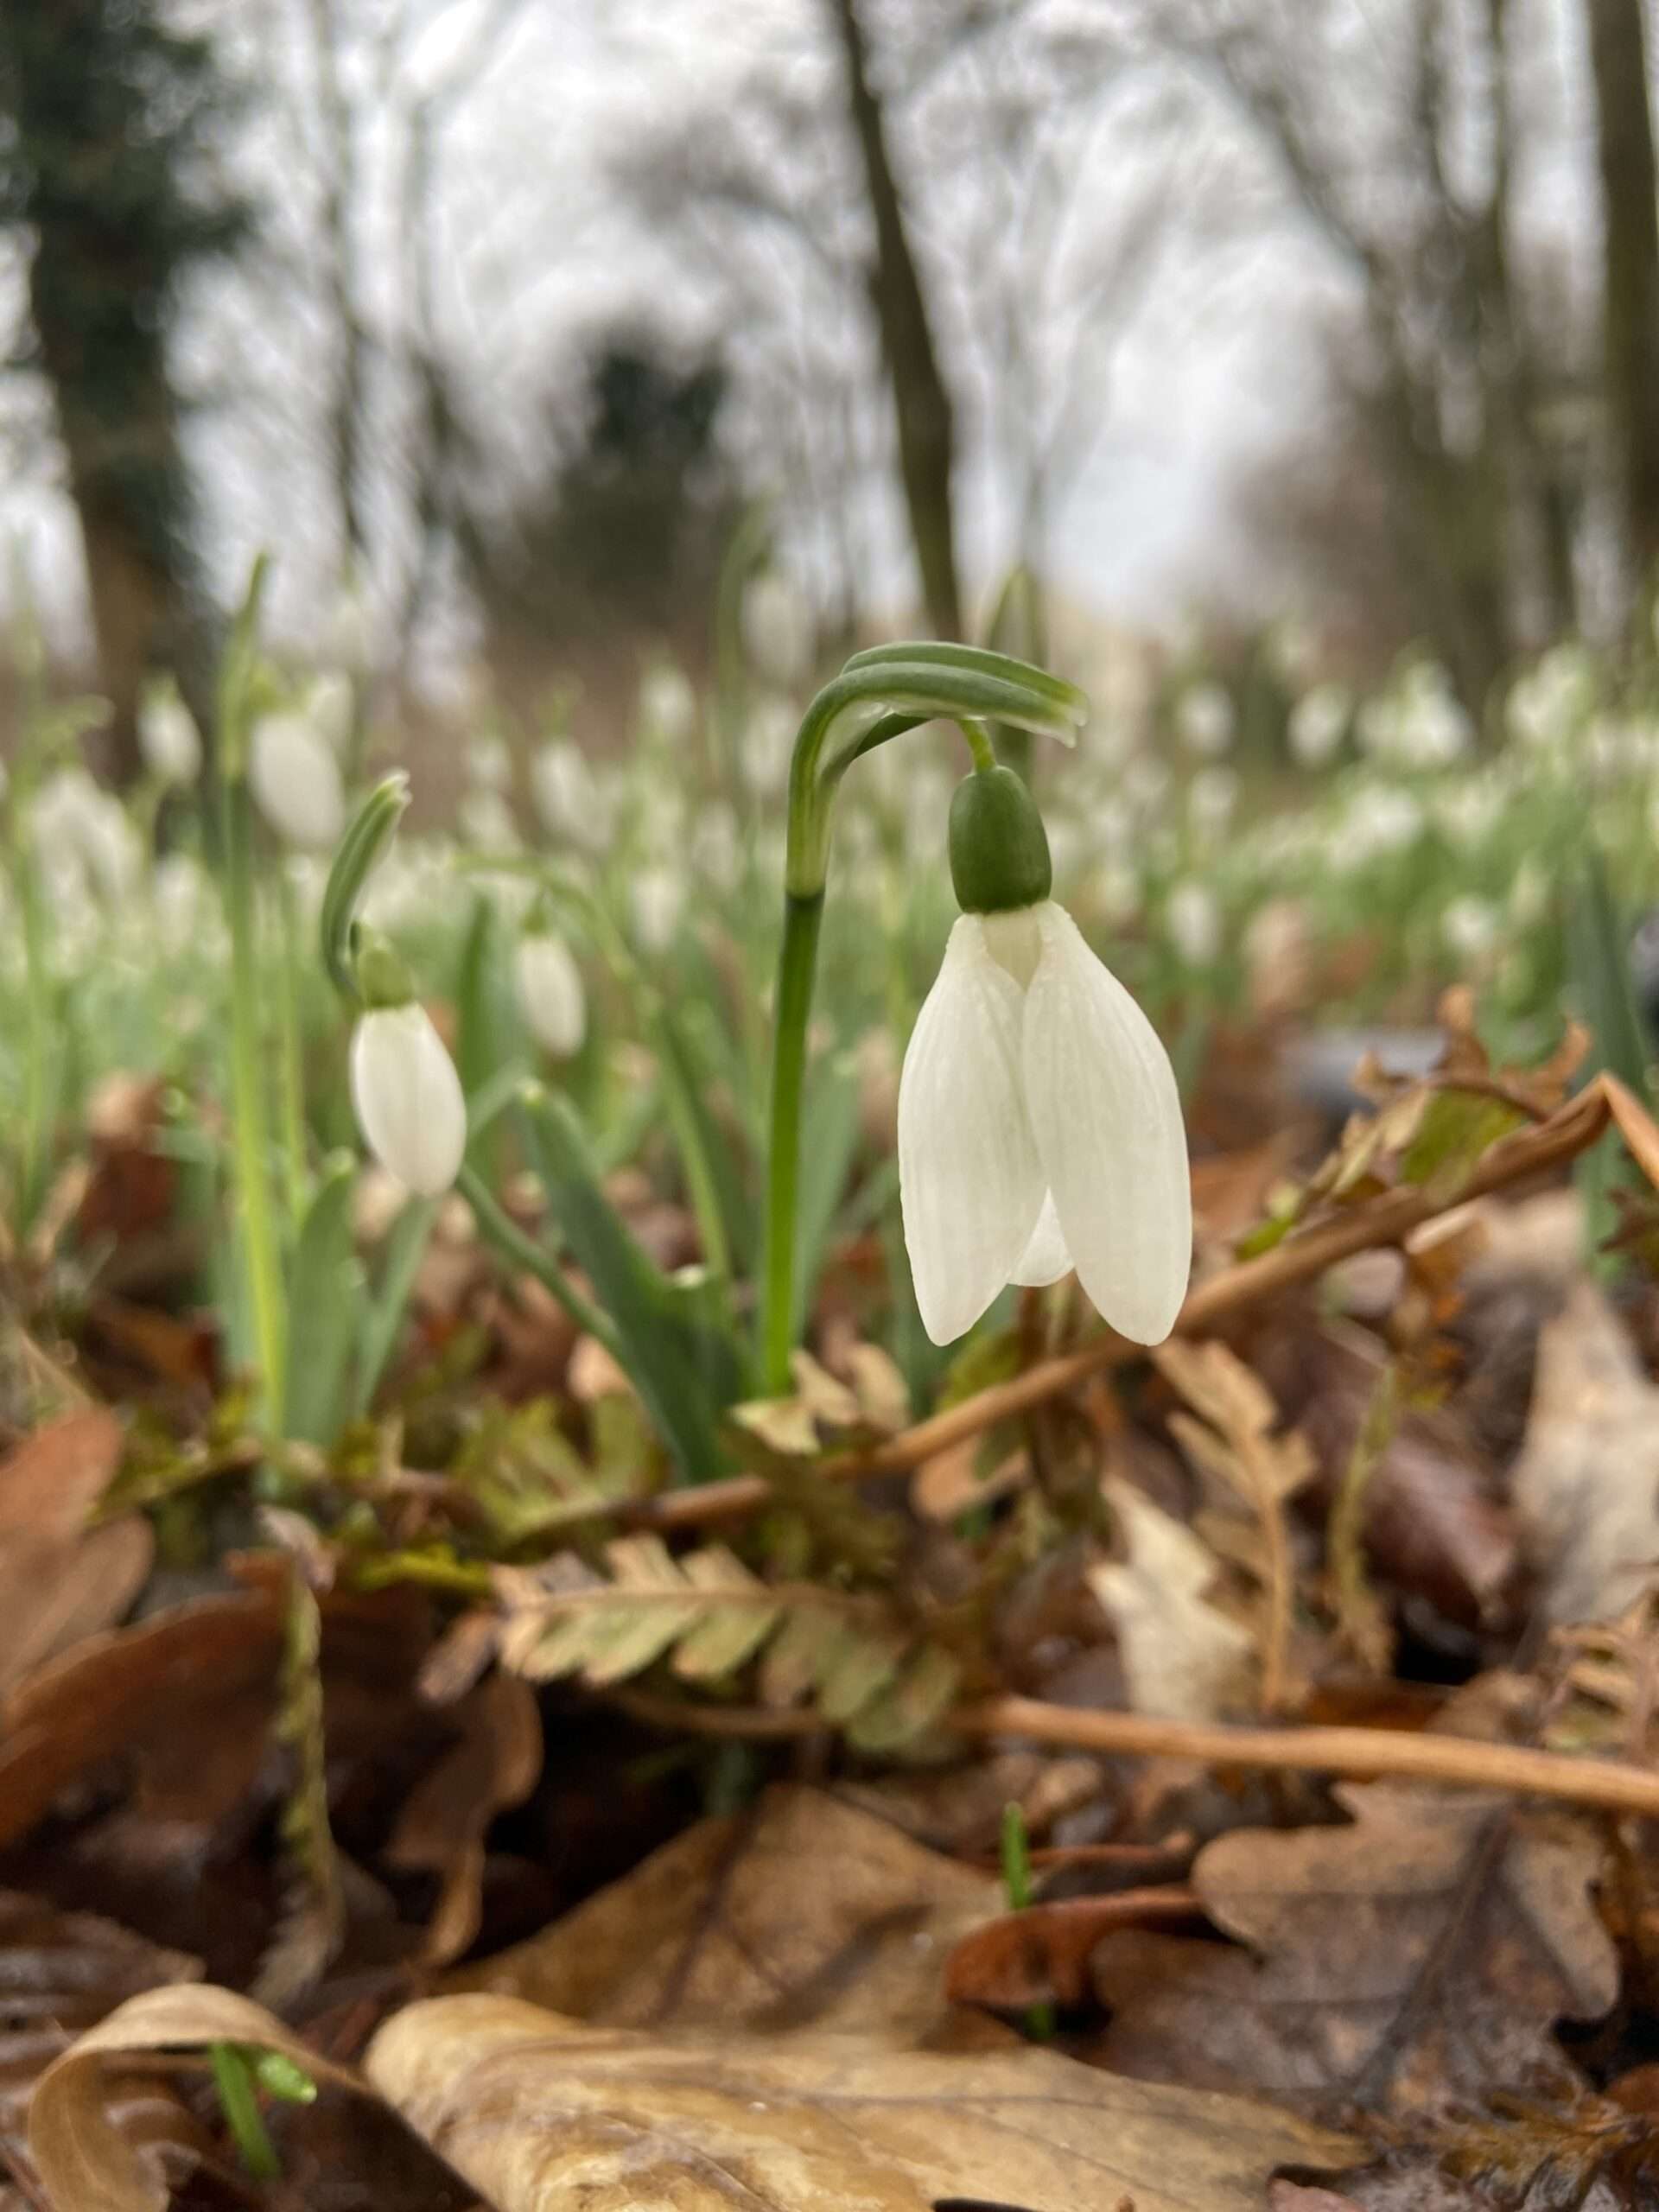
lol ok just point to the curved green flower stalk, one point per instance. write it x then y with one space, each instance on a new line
880 694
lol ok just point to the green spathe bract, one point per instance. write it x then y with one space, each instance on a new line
999 847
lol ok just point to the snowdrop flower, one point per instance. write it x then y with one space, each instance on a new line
87 844
295 778
1193 920
1210 799
408 1098
1204 720
777 629
656 896
1039 1127
716 848
764 749
550 995
331 708
1470 927
668 704
1318 723
570 797
484 820
168 738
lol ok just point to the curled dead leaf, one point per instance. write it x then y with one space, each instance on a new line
546 2114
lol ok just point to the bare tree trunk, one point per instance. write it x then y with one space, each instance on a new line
1630 265
339 208
921 403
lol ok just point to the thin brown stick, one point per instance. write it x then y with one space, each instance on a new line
1303 1255
1610 1785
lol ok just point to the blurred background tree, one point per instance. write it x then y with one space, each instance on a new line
108 115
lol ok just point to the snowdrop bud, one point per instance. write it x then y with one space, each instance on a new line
656 896
777 629
295 778
1194 922
1318 723
668 704
550 994
168 738
1204 720
408 1098
331 708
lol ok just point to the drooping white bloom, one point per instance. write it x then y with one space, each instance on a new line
668 704
570 797
1317 723
765 747
550 994
656 896
331 708
408 1097
1194 923
1210 799
168 738
1203 719
1039 1129
295 778
777 627
716 848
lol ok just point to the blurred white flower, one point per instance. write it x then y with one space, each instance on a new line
485 820
489 762
777 627
185 903
1193 920
668 704
1378 821
569 796
716 848
86 845
331 707
1040 1129
765 747
1211 799
1469 926
656 897
1319 721
1115 893
168 738
550 994
1547 702
408 1097
1467 814
1204 721
295 778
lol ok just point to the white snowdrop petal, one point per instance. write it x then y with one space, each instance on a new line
408 1097
1106 1116
550 993
969 1181
295 778
1045 1258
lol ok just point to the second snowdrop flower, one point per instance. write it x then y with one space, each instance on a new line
1040 1126
294 776
408 1097
550 995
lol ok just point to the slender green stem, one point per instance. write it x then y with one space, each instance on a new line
293 1072
37 1048
524 1252
797 963
979 743
250 1123
233 2079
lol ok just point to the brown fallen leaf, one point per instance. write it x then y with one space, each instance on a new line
1586 1483
1040 1955
1183 1658
59 1580
494 1764
60 1972
84 2159
1416 1957
547 2114
803 1912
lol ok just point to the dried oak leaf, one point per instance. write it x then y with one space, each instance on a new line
803 1912
1413 1958
87 2158
60 1581
547 2114
1586 1483
1182 1656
